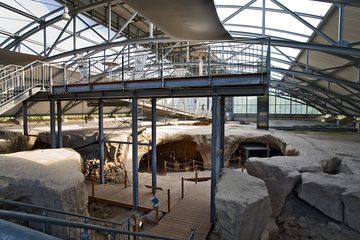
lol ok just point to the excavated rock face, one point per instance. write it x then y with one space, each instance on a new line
48 178
325 174
241 199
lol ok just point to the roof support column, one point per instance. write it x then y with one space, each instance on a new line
134 134
215 149
101 142
153 146
59 124
52 124
222 132
263 111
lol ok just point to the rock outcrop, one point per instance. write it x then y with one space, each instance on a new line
241 199
49 178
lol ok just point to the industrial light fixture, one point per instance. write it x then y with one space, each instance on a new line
66 15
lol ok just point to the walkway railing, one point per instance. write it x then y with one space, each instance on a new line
178 61
76 230
66 225
208 59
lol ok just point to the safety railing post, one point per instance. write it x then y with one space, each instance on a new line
42 75
168 199
129 227
93 184
182 187
134 226
196 176
32 75
85 234
164 168
44 226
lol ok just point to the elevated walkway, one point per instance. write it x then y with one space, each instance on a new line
224 69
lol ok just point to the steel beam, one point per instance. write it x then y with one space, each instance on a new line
341 25
263 25
124 26
59 124
326 37
354 3
238 11
72 94
153 144
101 142
135 168
58 37
52 124
25 118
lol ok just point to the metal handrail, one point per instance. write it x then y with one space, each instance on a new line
235 57
26 205
4 214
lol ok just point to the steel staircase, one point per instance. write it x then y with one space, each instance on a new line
19 83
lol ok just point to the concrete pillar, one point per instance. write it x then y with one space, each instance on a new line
59 124
25 119
101 142
135 152
52 124
215 147
153 144
263 111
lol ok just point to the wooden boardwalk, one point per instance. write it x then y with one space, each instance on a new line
193 211
118 195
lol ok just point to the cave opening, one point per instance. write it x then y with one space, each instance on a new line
179 155
246 150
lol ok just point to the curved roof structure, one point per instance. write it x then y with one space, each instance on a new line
314 43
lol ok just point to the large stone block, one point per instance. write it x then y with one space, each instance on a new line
241 199
323 191
337 195
280 178
49 178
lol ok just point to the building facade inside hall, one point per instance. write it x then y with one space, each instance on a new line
179 119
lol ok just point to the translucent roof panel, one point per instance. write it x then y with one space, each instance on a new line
243 21
89 32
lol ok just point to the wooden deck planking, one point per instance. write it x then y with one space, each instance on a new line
185 214
117 195
188 213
